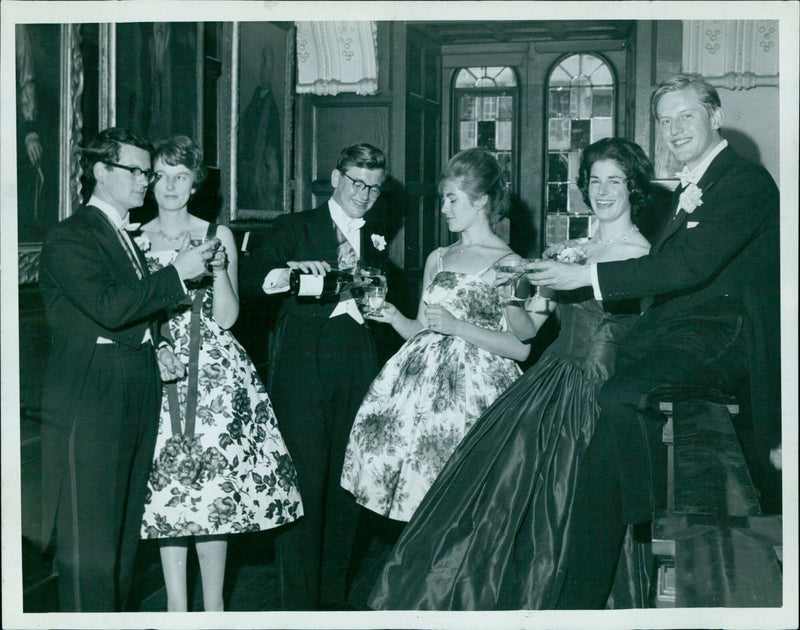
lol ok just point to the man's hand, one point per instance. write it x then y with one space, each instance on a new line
776 457
191 261
558 275
168 364
316 267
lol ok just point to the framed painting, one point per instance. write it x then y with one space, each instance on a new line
262 120
49 86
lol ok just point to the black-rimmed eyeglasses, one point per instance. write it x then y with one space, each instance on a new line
149 175
359 187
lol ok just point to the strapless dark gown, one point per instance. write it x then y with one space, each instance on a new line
489 534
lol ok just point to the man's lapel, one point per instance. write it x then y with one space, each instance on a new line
107 234
322 234
707 183
673 222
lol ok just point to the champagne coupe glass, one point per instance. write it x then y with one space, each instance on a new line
374 297
515 288
373 287
197 242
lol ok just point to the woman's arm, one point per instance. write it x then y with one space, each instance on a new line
526 321
501 342
225 267
405 326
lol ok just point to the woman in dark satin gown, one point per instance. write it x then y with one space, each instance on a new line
489 534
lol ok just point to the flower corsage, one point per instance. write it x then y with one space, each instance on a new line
378 242
690 199
142 242
569 255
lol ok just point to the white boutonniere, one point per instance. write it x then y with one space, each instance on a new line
690 199
142 242
378 242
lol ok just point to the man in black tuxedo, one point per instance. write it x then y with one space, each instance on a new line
713 326
323 360
102 390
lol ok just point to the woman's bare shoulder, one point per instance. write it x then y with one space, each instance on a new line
633 248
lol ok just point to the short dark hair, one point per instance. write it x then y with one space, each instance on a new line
477 172
632 161
707 93
361 155
182 151
105 147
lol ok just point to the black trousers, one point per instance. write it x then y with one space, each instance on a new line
102 494
622 477
319 380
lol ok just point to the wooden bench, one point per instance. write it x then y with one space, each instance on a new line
711 546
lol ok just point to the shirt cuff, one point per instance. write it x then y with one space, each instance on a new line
595 282
277 281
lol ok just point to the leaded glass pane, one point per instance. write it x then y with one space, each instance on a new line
557 228
557 167
503 137
488 108
580 134
556 197
602 102
580 111
505 107
485 110
506 78
467 107
466 136
580 98
486 134
602 75
578 227
559 103
560 77
558 134
576 203
466 78
589 65
602 128
574 165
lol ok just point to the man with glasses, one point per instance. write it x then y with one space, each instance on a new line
322 362
102 390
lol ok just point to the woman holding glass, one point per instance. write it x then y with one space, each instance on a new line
458 357
221 466
489 534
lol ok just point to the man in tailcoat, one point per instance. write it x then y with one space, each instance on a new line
102 389
713 326
323 358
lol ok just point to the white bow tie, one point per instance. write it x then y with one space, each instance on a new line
351 225
686 177
126 224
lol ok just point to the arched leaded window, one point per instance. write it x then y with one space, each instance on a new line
580 111
484 109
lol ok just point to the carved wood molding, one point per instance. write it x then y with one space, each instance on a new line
732 54
28 255
337 56
71 118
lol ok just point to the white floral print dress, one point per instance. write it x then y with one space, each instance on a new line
424 401
235 474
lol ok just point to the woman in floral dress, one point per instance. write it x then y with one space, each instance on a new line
491 532
458 357
230 472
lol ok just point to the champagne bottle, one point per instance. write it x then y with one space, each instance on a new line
331 284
